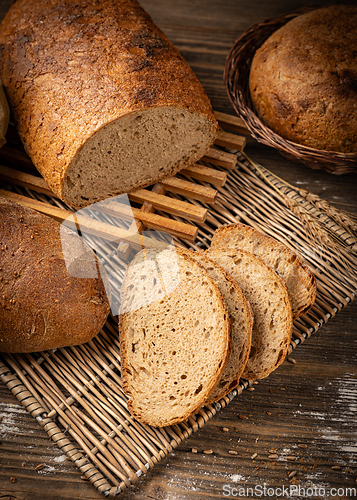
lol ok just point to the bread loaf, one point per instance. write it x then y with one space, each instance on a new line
303 79
174 336
4 116
42 304
241 319
300 281
268 297
104 103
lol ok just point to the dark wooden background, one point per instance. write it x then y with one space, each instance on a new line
307 409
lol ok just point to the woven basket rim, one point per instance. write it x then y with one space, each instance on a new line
236 77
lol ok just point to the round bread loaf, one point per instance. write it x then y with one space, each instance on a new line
43 305
303 80
104 103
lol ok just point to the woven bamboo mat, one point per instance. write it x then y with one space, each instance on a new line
75 393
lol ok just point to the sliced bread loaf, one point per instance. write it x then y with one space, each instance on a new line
268 297
174 336
104 103
241 319
298 278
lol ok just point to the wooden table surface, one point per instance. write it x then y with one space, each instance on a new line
308 407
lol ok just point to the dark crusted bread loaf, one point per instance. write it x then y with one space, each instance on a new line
42 304
104 103
4 116
303 80
174 336
300 281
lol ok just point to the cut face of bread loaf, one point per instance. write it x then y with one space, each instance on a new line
174 336
298 278
42 304
104 103
268 297
241 319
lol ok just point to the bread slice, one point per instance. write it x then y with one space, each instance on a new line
268 297
298 278
174 336
241 319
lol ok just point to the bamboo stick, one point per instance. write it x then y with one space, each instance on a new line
231 141
190 189
233 123
169 205
86 224
206 174
220 158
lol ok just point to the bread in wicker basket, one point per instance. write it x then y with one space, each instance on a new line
236 77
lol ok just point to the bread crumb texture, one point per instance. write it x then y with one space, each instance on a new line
241 320
268 297
303 79
104 103
174 336
300 281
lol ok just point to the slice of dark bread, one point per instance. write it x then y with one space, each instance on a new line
174 336
268 297
298 278
241 319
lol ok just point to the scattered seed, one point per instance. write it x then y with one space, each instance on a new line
255 382
291 459
336 467
292 473
250 389
268 413
243 417
272 450
39 466
225 429
194 450
274 456
208 452
13 479
302 445
291 360
254 455
233 452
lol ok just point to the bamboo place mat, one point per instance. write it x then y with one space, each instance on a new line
75 393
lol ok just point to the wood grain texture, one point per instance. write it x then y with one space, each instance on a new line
312 402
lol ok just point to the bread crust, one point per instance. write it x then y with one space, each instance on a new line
70 67
231 374
266 341
42 306
303 79
287 264
162 419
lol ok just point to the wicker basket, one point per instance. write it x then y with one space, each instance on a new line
236 79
